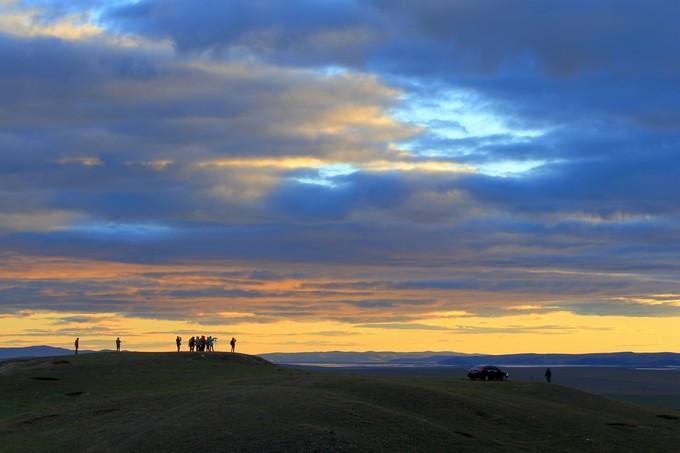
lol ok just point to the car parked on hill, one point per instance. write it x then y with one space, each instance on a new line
487 373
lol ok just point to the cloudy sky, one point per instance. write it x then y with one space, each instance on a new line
468 175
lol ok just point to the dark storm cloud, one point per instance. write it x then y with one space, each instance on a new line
597 186
133 153
492 32
88 128
305 30
536 58
603 73
148 99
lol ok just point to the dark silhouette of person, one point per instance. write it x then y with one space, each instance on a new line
178 340
548 375
191 344
118 344
77 344
233 344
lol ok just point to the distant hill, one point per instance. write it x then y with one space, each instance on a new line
35 351
621 359
215 402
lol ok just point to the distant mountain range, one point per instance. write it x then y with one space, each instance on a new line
429 359
35 351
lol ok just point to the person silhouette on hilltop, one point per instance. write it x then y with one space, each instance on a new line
548 375
233 344
178 340
118 344
77 344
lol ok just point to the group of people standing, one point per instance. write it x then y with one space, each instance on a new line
198 344
203 343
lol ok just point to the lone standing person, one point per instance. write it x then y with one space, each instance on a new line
178 340
118 344
77 343
548 375
233 344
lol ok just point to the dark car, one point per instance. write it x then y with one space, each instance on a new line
487 373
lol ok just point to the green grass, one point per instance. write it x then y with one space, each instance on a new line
134 402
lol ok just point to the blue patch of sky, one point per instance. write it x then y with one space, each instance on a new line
123 230
326 175
331 70
53 9
462 115
509 168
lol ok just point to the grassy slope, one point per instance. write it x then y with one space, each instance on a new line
224 402
659 388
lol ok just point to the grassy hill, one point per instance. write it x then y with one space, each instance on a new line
179 402
657 387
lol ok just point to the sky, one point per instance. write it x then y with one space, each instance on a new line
488 176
